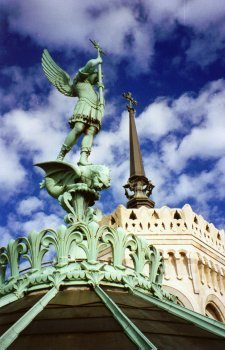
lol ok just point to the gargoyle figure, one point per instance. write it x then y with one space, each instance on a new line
63 177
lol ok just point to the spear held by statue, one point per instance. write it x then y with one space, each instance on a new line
100 83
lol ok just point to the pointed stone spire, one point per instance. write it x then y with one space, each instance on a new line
138 188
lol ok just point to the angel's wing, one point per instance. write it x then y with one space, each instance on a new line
57 76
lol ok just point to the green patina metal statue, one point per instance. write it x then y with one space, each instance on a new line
89 110
77 187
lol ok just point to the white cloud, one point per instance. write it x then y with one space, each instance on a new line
6 235
157 120
35 134
205 139
204 17
12 172
195 13
41 221
37 222
56 25
112 146
133 35
29 205
201 13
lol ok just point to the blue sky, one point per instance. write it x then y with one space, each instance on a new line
170 54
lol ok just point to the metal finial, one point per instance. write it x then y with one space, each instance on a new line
128 96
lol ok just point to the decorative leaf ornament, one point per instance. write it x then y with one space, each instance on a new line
77 250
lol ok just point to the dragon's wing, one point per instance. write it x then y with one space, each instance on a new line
59 177
57 76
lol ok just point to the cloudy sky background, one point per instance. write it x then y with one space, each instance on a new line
170 54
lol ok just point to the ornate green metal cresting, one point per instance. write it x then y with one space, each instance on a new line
77 249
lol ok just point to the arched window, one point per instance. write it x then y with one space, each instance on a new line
212 311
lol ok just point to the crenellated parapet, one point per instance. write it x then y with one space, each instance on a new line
168 221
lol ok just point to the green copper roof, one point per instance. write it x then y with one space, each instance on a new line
105 317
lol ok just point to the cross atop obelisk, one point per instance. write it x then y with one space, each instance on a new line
138 183
128 96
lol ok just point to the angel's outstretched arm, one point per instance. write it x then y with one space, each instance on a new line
90 64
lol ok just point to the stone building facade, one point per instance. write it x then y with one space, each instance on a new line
193 251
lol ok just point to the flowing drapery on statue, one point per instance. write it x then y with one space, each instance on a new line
89 110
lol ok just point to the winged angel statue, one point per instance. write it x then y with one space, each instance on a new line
88 111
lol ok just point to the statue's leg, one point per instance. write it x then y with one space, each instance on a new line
86 144
71 140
